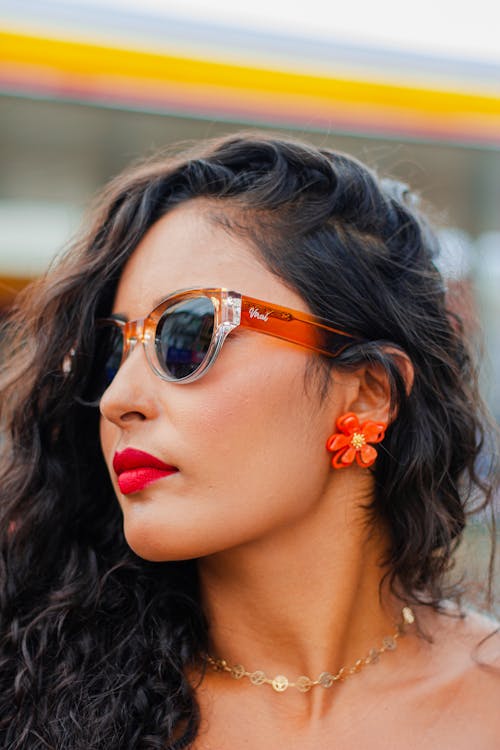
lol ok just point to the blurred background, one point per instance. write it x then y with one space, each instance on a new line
87 87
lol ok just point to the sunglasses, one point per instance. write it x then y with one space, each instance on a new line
183 335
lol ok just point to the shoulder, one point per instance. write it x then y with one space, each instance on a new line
462 664
474 635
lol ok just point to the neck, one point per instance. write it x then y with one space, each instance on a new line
305 600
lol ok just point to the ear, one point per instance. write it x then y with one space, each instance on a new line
372 399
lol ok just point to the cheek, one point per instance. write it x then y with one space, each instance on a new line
262 437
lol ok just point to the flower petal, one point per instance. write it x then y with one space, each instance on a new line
349 455
374 431
337 441
348 423
337 462
367 455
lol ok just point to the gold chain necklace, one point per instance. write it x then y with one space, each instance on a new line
326 679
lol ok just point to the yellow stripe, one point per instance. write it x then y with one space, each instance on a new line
93 61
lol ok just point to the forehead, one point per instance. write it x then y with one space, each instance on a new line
188 248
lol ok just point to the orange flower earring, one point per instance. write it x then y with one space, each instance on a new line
352 441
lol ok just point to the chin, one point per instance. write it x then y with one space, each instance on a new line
153 548
170 545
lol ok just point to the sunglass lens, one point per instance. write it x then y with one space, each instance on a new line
105 361
183 336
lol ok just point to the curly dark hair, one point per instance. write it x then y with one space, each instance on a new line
94 641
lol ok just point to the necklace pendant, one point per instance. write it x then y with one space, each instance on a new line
258 677
280 683
304 684
238 671
326 679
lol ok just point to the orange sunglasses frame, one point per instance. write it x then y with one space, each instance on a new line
232 309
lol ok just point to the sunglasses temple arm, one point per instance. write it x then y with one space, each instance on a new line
286 326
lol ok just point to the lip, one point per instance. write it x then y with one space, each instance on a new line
136 469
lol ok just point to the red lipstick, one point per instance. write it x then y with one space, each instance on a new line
136 469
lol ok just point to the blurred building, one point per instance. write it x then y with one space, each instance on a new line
85 89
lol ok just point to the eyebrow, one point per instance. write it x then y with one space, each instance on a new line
155 303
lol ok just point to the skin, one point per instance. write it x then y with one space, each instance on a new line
289 567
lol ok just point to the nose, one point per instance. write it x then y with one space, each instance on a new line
131 392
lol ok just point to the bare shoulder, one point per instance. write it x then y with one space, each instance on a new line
464 660
474 635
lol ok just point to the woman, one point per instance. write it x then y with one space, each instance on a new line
263 516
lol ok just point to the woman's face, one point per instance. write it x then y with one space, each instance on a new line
248 438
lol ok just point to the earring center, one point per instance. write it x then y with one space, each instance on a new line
358 440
